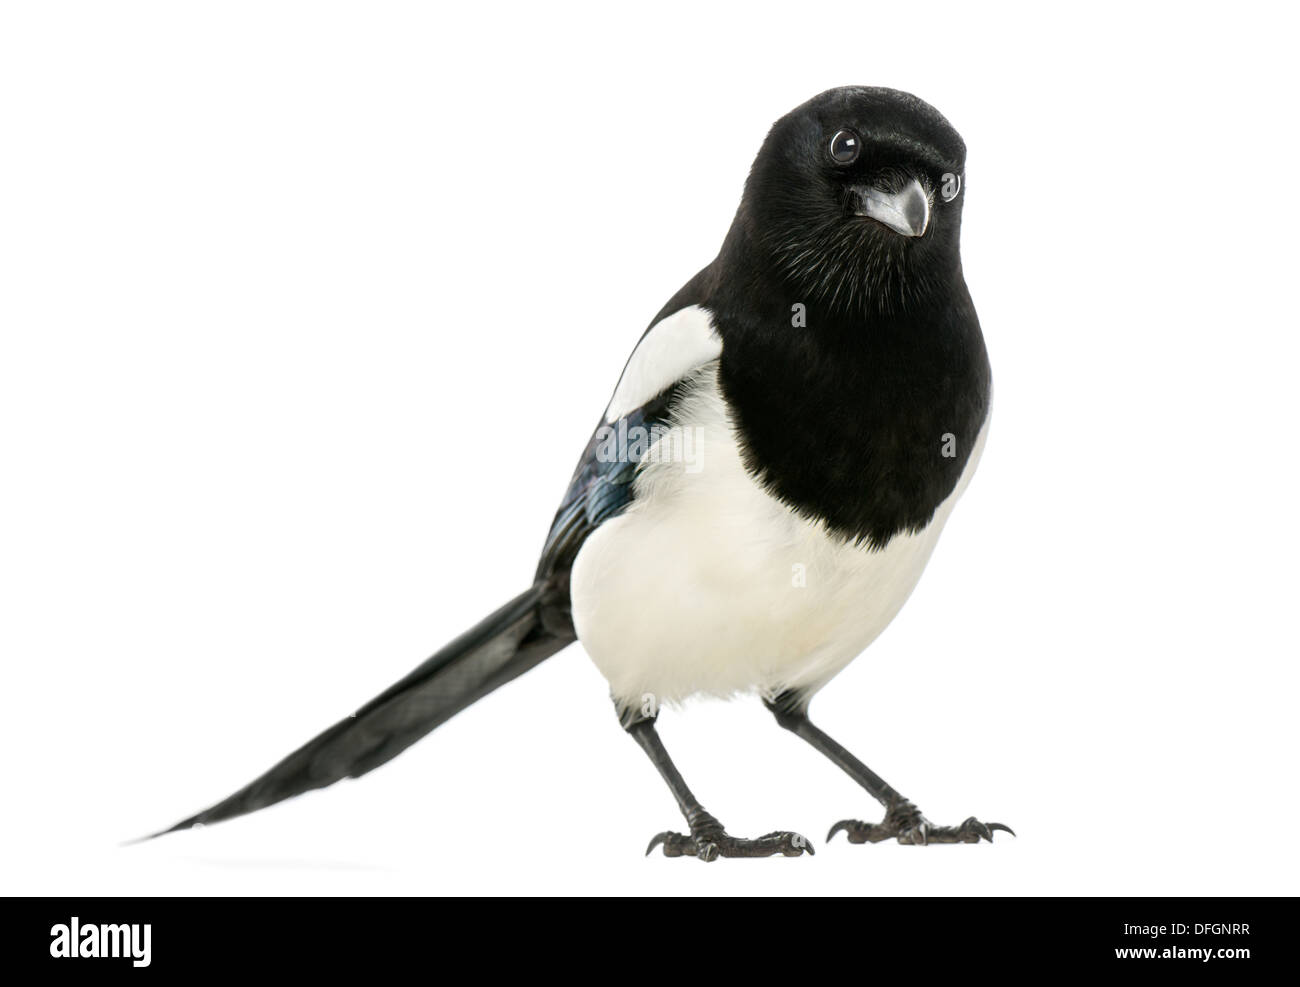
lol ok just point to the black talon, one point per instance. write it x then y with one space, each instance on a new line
980 829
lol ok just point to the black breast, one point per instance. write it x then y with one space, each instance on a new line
864 424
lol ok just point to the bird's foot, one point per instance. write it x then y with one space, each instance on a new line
709 841
903 821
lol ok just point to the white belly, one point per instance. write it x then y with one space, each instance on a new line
708 584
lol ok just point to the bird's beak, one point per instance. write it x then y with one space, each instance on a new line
906 211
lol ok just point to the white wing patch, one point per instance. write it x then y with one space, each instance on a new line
672 348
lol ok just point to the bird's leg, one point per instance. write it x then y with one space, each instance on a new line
903 820
707 839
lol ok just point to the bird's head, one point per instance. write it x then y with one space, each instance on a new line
855 200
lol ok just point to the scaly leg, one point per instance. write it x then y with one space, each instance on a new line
707 839
903 820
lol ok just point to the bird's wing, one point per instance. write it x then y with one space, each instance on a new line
672 349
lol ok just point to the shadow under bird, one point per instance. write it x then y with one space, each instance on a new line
767 483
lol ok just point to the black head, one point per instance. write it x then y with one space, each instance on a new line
854 201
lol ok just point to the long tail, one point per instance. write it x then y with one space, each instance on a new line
486 657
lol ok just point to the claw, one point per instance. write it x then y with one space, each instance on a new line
790 844
799 843
1005 829
842 826
658 839
978 828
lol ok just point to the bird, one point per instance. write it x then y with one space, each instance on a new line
769 479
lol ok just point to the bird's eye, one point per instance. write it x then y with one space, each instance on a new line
845 146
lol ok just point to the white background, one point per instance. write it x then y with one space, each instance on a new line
308 310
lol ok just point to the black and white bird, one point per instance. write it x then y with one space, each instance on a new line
768 481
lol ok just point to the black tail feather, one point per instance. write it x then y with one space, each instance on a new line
500 648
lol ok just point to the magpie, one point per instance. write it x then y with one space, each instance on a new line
780 454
